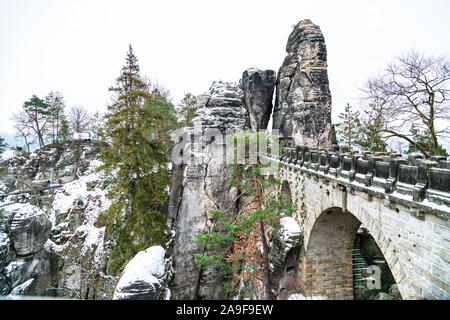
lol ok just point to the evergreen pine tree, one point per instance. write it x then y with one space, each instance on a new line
371 128
65 135
97 124
424 140
37 112
138 155
188 106
56 105
348 130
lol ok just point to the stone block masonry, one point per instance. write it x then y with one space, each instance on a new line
411 228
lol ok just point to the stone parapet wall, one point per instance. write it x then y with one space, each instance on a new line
402 200
410 179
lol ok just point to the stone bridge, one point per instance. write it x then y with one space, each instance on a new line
403 202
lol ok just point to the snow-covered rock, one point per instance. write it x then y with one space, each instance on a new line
21 289
290 232
7 155
3 189
4 248
36 267
299 296
143 276
72 205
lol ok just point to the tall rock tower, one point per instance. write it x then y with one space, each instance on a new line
302 110
204 186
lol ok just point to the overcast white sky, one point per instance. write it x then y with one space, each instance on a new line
78 47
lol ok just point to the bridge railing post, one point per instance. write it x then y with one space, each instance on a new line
413 158
335 165
306 157
423 178
355 157
394 164
372 160
314 164
324 161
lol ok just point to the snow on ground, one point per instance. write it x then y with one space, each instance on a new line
3 189
77 193
93 241
7 155
4 241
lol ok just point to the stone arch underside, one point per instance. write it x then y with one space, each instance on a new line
327 261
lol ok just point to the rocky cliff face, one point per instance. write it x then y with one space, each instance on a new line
302 113
204 187
24 264
258 86
50 243
302 110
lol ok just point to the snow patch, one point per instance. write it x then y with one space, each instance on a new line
3 189
147 268
7 155
93 241
20 289
290 232
23 209
299 296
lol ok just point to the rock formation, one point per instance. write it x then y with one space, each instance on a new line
30 229
204 187
258 86
302 110
143 277
57 249
24 264
284 257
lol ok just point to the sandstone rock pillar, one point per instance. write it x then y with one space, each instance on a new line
302 110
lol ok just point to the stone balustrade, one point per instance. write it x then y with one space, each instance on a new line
409 177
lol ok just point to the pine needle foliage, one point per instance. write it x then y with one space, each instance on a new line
137 129
238 244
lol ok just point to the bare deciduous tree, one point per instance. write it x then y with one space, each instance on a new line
157 91
24 129
413 92
79 119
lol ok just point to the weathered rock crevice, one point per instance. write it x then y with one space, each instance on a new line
258 87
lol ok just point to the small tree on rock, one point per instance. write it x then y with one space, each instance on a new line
348 129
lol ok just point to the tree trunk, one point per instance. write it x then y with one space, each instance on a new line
266 263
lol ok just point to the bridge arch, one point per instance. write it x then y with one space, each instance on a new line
326 263
286 192
404 204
